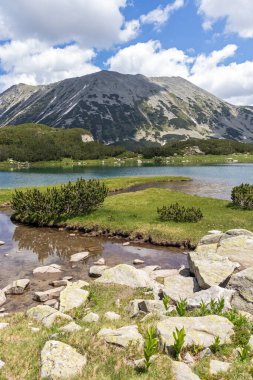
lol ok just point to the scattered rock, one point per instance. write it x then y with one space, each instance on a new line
47 271
97 270
53 303
139 363
199 330
124 274
47 294
215 232
188 359
100 261
217 366
214 293
122 336
58 283
126 243
162 273
71 327
2 315
177 286
91 318
210 269
237 245
111 316
204 353
2 364
35 329
2 310
3 325
181 371
151 268
80 256
2 298
73 296
151 306
17 287
242 282
138 262
60 361
2 242
210 239
67 278
47 315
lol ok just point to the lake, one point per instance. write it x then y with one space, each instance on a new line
208 180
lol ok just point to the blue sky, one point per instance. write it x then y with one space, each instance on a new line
209 42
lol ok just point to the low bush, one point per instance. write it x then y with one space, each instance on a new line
178 213
42 208
242 196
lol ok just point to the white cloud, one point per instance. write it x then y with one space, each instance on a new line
130 30
34 62
161 15
237 15
150 59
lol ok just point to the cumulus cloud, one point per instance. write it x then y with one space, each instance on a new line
161 15
236 13
34 62
231 81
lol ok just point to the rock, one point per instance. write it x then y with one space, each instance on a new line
2 310
97 270
215 293
210 239
47 315
60 361
162 273
246 315
124 274
126 243
237 232
71 327
238 248
204 353
3 325
67 278
141 362
138 262
2 298
73 296
215 232
80 256
177 286
17 287
133 308
188 359
111 316
151 268
2 315
251 342
152 306
100 261
2 364
91 317
199 330
242 282
53 303
210 269
47 294
181 371
217 366
122 336
47 271
35 329
58 283
2 242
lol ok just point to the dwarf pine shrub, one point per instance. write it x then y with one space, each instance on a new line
178 213
242 196
45 207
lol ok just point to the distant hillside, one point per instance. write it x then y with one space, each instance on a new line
125 109
32 142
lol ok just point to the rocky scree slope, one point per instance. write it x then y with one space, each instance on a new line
127 108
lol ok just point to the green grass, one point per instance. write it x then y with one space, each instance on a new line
136 213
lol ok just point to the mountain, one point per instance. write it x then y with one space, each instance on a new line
118 108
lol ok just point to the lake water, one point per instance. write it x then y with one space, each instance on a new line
209 180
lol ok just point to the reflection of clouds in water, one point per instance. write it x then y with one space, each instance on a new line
6 227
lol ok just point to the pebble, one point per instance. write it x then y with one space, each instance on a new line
2 242
138 261
2 364
126 243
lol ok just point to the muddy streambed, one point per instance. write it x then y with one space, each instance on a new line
26 248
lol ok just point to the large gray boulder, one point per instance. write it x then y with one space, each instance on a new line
199 330
60 361
80 256
47 315
97 270
214 293
2 298
181 371
73 296
242 282
177 286
17 287
127 275
48 294
211 269
238 248
47 271
123 336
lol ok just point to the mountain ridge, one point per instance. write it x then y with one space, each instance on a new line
118 108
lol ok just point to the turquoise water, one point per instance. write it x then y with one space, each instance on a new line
229 175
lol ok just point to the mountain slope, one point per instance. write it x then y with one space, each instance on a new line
121 108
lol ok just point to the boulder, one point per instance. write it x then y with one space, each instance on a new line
48 271
199 330
91 318
111 316
17 287
53 303
58 283
2 298
152 306
238 248
177 286
242 282
217 366
181 371
47 315
162 273
151 268
97 270
73 296
100 261
123 336
214 293
71 327
211 269
47 294
80 256
210 239
127 275
60 361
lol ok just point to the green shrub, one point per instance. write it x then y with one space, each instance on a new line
41 208
242 196
179 339
178 213
181 307
150 346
